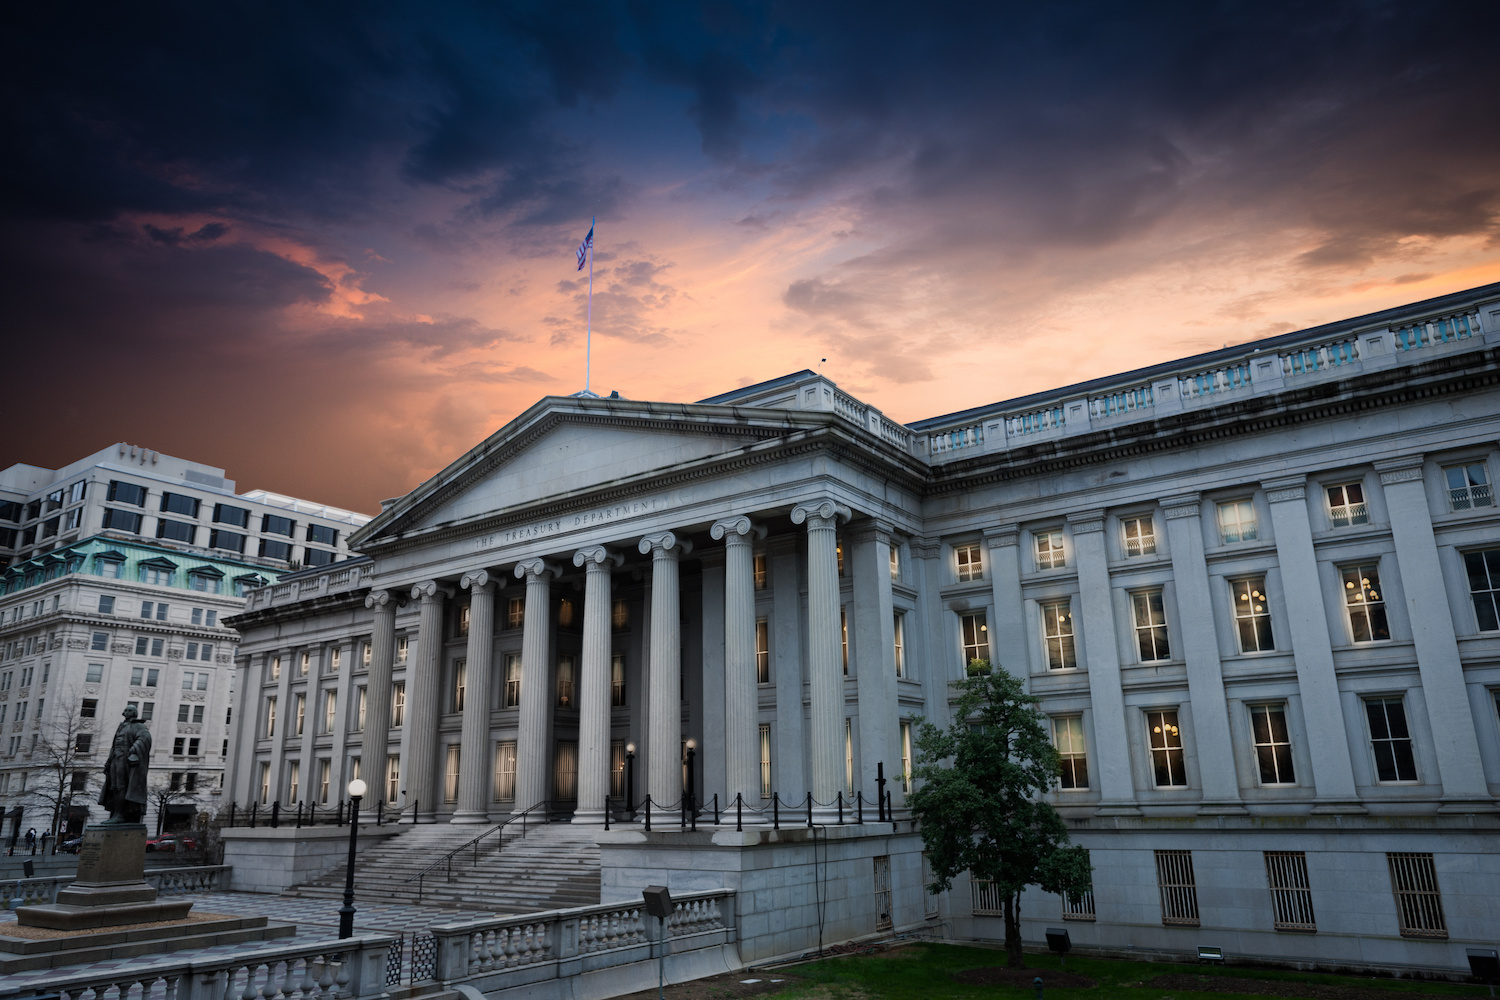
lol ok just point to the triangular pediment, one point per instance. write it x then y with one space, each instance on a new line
566 445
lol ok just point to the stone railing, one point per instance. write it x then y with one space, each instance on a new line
871 419
332 579
1257 370
167 881
330 970
577 940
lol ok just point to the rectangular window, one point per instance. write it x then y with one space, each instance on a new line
322 534
146 609
325 769
1140 536
270 548
844 637
460 681
905 733
565 679
1468 486
1067 736
83 743
265 782
162 610
271 716
1150 616
1365 602
895 562
1419 904
294 774
398 704
106 605
392 778
1179 891
275 668
126 493
121 520
463 620
1049 550
617 681
505 772
1346 505
1273 744
565 613
762 651
359 714
300 713
99 641
849 757
619 614
512 695
330 710
366 650
227 540
898 632
1166 750
192 654
450 774
1057 633
1483 569
401 649
1237 522
177 531
1079 907
94 673
89 709
239 517
335 658
969 562
765 760
1291 895
176 503
515 613
1252 615
617 769
759 563
182 712
974 631
198 714
275 524
1390 740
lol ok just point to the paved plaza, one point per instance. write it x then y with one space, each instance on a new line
316 919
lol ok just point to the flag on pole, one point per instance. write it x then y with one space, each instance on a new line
584 248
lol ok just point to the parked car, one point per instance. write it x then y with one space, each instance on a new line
70 846
172 842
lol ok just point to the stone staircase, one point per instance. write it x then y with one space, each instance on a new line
552 866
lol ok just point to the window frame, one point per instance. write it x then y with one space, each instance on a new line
1072 756
968 562
1354 512
1049 549
1255 621
1063 643
1475 494
1238 531
1276 751
1158 633
1369 605
1173 756
1142 540
1394 742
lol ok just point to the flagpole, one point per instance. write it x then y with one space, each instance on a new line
588 351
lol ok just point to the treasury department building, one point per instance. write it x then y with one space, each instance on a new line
1257 592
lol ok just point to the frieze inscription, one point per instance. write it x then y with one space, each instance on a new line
571 522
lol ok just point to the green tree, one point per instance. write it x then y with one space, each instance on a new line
977 798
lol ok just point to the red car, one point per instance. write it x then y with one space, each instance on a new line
172 842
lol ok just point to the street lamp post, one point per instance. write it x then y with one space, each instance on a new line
630 779
357 790
691 794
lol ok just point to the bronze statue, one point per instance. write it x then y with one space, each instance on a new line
124 793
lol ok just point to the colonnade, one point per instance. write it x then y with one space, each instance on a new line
741 743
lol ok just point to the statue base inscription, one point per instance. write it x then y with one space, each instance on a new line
111 888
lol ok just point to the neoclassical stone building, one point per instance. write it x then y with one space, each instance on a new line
1257 592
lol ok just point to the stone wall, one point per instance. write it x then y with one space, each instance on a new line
791 885
266 859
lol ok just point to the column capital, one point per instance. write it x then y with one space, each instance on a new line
477 578
735 529
597 557
1282 489
428 591
821 513
1404 469
1085 522
378 599
1002 535
1181 505
536 569
666 542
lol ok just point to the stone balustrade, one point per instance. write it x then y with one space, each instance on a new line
507 951
168 882
331 579
330 970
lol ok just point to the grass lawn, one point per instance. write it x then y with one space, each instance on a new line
924 970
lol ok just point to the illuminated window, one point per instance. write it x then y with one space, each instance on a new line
1237 522
512 698
565 694
515 614
1067 736
1050 553
619 614
1252 616
450 774
1166 750
974 632
765 760
898 630
760 570
969 562
1140 535
1057 634
1150 625
505 772
460 677
1365 602
1346 505
617 680
398 704
762 651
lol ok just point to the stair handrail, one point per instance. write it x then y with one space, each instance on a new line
446 861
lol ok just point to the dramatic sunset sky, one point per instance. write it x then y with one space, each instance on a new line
329 246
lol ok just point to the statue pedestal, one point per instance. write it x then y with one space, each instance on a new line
111 889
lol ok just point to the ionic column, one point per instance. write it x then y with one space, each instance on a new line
825 669
423 695
664 739
532 758
1106 695
1452 720
1200 651
873 636
741 699
474 763
375 743
593 689
1307 621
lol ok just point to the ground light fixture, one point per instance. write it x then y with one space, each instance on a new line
1058 941
659 905
357 789
1484 963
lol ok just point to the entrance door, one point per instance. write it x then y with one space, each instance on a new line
565 778
883 893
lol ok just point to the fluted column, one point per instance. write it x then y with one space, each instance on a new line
825 671
873 637
1200 651
1307 621
1460 763
375 745
423 695
474 748
532 758
593 690
741 699
664 738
